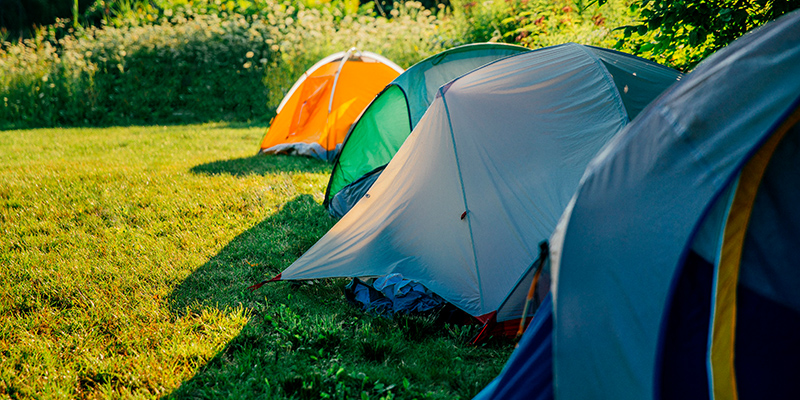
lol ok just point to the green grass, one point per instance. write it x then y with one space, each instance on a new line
125 254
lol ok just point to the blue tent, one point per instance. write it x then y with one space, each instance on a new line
675 267
528 375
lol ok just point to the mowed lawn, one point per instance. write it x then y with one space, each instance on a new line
125 257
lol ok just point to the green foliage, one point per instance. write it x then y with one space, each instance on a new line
206 68
474 21
681 34
126 253
75 13
538 23
189 66
176 61
308 34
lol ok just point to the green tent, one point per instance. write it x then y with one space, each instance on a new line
388 120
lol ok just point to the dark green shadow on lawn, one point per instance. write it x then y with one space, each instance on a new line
304 341
239 370
262 165
259 253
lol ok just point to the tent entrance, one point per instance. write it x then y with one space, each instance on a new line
735 316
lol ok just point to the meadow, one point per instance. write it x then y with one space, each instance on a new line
126 254
127 245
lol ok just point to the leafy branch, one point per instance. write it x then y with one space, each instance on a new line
684 32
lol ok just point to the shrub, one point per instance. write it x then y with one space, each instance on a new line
205 68
309 34
682 34
187 66
539 23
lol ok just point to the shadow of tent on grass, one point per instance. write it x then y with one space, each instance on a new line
220 285
257 254
262 165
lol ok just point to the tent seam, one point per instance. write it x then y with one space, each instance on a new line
329 59
464 196
350 131
609 78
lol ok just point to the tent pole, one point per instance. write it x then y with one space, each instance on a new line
333 90
336 78
544 250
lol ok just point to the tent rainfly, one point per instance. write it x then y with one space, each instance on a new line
388 120
675 270
486 173
317 112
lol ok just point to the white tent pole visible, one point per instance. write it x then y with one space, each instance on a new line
336 78
319 64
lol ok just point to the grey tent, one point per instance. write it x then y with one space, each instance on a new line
388 120
486 173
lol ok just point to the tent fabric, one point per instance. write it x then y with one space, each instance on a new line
767 317
514 304
481 180
722 339
721 346
389 119
686 335
317 112
641 209
638 82
508 318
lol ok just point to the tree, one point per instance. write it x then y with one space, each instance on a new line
683 32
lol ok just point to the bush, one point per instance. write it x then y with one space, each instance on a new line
18 17
539 23
681 34
204 68
309 34
191 67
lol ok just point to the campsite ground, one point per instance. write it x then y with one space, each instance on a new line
125 255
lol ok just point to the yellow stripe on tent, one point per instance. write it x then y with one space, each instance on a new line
721 357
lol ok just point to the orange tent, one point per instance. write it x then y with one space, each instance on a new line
317 112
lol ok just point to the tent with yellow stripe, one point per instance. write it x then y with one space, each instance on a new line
317 112
676 268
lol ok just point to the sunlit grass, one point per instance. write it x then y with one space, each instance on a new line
126 253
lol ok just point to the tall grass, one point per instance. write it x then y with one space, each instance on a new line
182 66
125 255
200 68
539 23
234 60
